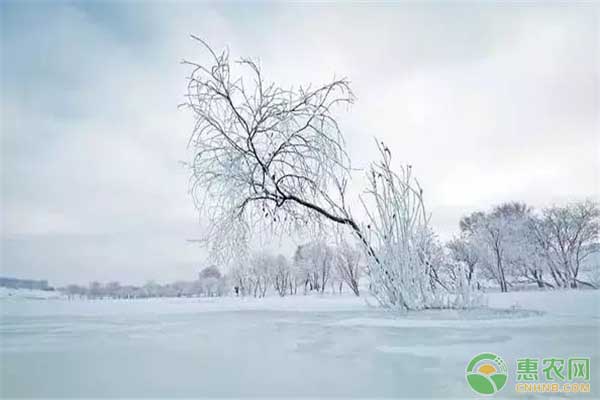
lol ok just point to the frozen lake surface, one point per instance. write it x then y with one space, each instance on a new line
299 346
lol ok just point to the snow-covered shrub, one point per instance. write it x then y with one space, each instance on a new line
461 284
403 255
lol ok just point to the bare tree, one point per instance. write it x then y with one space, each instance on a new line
95 290
316 260
502 243
113 289
265 154
348 265
499 243
297 275
568 236
494 233
74 291
268 156
262 267
240 275
528 261
463 251
282 275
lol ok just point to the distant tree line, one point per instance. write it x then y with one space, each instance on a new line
514 244
14 283
510 247
315 267
210 283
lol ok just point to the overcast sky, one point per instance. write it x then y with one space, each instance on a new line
488 103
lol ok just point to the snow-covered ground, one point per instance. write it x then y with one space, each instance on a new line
301 346
7 293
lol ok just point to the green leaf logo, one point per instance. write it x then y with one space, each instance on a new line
486 373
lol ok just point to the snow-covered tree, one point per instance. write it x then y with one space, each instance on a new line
594 270
95 290
297 275
516 245
240 276
151 289
75 291
494 233
568 236
210 272
527 261
463 250
261 273
498 241
316 261
113 290
264 155
281 275
348 263
267 156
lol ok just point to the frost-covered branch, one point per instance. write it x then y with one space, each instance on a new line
405 274
264 155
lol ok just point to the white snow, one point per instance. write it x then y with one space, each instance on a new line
7 293
299 346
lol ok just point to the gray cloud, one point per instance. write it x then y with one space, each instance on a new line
488 102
